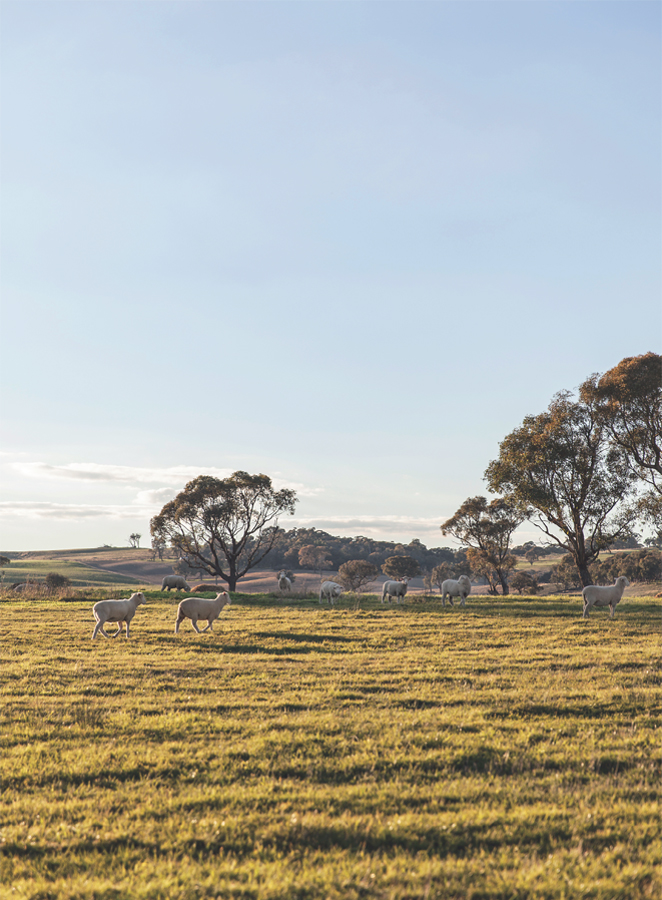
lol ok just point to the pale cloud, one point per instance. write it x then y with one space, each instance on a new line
157 497
177 476
29 509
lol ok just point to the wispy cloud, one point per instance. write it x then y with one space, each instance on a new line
177 476
71 511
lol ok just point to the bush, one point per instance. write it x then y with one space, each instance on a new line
56 582
524 583
357 574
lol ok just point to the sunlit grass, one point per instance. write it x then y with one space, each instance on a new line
507 750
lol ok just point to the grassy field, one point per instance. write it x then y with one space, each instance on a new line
77 572
507 750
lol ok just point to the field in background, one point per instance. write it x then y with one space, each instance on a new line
110 566
507 750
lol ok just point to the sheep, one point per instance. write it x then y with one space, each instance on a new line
195 608
116 611
460 588
596 595
330 590
177 582
396 589
284 583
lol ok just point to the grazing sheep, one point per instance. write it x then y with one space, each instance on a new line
396 589
330 591
176 582
116 611
195 608
284 583
460 588
595 595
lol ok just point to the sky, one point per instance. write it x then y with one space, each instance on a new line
350 245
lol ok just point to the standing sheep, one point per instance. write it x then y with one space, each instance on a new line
460 588
396 589
116 611
176 582
595 595
195 608
284 583
330 590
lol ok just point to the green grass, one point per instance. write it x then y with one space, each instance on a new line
79 574
507 750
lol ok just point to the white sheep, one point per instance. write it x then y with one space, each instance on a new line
460 588
596 595
176 582
116 611
330 591
396 589
195 608
284 583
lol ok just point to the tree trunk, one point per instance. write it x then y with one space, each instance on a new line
584 573
504 584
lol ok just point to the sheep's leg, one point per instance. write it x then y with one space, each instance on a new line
119 629
97 628
208 627
194 623
613 610
127 628
102 629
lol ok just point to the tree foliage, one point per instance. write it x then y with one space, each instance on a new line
357 574
400 567
629 400
224 526
315 557
486 528
54 581
134 540
560 470
524 583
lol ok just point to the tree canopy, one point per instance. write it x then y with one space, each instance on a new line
400 567
486 528
560 470
357 573
224 527
628 398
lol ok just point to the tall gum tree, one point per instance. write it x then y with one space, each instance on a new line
628 399
563 473
224 526
486 529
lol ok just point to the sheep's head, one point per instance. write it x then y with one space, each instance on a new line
622 581
139 598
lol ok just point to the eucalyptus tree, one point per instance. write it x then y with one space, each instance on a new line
486 528
224 527
561 470
628 399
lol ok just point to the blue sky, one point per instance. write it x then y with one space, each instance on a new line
350 245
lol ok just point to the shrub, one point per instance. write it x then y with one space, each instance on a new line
524 583
357 574
56 582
